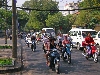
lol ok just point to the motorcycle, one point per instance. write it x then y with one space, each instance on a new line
92 52
33 46
54 59
66 53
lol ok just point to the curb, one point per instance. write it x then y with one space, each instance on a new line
11 69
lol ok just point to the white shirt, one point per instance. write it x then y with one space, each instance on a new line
45 40
69 38
60 38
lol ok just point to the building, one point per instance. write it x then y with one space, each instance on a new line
70 8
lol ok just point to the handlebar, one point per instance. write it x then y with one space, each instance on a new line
92 43
52 50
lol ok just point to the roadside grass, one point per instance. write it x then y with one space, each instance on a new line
5 61
5 47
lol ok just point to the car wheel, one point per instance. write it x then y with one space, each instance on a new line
78 46
98 47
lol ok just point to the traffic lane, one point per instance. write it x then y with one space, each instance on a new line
81 66
35 63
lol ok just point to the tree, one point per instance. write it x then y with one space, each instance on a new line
3 16
57 21
23 18
37 18
85 16
89 3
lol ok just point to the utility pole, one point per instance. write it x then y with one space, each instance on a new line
1 3
14 34
6 22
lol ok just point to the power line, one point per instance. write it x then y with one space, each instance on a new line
89 8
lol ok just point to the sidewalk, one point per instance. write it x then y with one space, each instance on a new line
8 53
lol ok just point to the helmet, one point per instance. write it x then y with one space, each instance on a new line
28 35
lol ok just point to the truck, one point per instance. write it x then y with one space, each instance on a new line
49 31
78 35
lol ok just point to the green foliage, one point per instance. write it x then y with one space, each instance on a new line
5 19
59 22
6 47
5 61
37 19
23 18
89 3
87 16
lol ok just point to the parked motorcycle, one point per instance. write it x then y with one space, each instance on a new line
54 59
33 46
66 53
92 52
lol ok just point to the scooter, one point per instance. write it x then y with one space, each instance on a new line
54 59
33 46
66 53
92 52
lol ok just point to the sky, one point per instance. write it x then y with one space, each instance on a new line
61 2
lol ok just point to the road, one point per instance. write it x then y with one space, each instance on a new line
34 64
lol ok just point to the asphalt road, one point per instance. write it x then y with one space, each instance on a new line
34 64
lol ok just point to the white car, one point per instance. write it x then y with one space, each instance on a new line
97 38
97 41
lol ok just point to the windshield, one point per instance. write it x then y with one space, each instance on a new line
49 30
73 33
85 33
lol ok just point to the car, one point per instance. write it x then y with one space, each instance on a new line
78 35
97 38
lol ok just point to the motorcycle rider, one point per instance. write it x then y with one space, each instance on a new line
52 45
60 39
33 39
37 38
70 39
64 42
45 42
88 40
27 39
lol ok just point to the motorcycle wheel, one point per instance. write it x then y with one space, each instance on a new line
28 44
32 47
64 56
33 50
57 68
95 58
69 58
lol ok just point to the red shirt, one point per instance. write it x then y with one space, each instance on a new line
64 42
89 40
